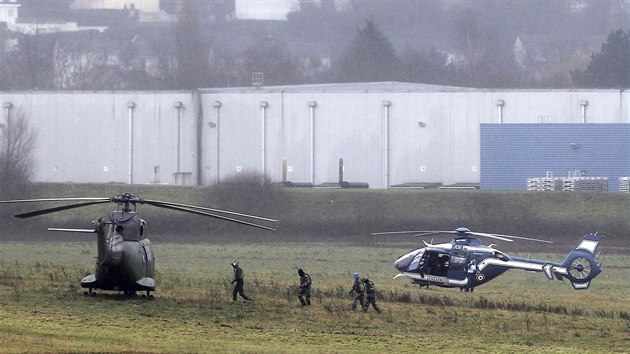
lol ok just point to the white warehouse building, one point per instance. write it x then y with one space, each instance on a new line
386 134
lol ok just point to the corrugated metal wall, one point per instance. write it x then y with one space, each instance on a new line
511 153
85 136
386 133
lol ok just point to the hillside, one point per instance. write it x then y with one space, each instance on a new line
339 215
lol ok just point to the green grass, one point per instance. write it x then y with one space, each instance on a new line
326 232
43 310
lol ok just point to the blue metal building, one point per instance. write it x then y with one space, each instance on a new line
512 153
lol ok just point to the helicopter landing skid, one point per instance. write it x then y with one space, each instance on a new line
90 292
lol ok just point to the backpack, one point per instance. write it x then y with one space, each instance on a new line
369 286
308 279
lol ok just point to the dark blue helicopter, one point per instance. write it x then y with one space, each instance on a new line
445 264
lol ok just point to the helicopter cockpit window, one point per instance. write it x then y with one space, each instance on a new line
409 260
418 260
457 262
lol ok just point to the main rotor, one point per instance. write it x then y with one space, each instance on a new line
127 202
462 233
124 200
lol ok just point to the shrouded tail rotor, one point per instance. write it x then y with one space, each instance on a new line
580 268
581 264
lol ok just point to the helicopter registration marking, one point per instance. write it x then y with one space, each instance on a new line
435 279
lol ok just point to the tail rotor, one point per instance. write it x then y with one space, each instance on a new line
581 264
580 268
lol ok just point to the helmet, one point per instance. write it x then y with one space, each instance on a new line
356 275
300 272
235 264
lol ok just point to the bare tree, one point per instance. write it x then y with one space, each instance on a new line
17 142
29 65
73 62
473 43
192 50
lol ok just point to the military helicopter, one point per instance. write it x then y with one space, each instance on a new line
125 261
444 264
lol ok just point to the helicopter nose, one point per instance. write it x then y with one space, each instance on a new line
401 263
404 261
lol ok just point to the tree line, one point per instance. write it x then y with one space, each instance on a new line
193 54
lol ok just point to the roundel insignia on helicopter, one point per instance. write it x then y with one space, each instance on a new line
480 277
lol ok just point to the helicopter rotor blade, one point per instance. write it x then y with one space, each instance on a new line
53 200
159 203
499 236
198 212
414 233
464 233
85 231
496 237
59 208
131 199
431 233
507 238
395 233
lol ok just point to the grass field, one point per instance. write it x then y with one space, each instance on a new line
43 309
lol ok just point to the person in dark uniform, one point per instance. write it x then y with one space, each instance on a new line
359 292
305 288
370 295
471 270
238 279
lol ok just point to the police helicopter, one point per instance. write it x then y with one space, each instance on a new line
125 261
445 264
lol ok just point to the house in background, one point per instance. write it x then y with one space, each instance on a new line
142 5
278 9
9 11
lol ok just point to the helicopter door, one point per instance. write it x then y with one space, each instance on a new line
456 266
437 263
148 260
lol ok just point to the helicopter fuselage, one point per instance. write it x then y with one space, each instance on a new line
445 264
125 259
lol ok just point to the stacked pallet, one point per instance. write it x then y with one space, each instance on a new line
624 184
574 182
595 184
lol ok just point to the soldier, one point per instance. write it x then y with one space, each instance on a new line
370 292
305 288
238 279
359 292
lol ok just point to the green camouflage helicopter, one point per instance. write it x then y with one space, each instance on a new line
125 261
